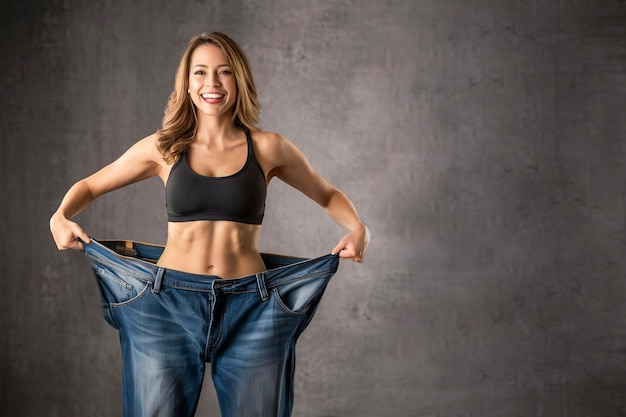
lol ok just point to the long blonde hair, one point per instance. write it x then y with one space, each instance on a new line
180 120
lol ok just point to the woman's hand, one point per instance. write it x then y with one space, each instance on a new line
65 233
354 244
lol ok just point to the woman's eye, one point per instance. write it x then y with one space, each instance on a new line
226 72
199 72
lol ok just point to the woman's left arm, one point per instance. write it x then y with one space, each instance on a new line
354 244
292 167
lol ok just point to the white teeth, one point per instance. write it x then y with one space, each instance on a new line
212 95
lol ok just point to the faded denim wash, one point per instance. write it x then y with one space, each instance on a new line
171 323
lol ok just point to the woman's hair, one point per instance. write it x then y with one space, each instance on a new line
180 120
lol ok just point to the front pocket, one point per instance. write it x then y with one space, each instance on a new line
116 290
297 296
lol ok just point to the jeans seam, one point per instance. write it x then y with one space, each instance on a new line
303 261
218 339
112 321
105 275
296 279
105 261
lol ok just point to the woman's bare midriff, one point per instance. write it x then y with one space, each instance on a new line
222 248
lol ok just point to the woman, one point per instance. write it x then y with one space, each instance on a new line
199 301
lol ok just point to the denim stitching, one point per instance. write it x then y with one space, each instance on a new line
281 304
139 295
104 274
218 339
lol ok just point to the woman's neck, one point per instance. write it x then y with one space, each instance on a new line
215 129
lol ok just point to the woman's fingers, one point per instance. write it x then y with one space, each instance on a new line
76 245
348 250
82 235
66 234
340 247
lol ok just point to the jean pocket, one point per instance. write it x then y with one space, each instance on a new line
118 290
301 294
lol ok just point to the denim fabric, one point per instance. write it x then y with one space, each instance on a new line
171 323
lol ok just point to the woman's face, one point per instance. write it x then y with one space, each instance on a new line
212 84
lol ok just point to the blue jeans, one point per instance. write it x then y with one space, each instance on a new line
171 323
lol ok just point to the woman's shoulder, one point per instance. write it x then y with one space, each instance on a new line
271 148
271 142
265 138
147 145
146 149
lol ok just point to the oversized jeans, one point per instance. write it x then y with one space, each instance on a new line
171 323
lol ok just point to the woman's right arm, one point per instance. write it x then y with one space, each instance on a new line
139 162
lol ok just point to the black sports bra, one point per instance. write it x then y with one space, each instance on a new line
239 197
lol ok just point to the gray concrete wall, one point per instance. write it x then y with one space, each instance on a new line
481 140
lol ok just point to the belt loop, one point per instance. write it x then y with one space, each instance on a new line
260 280
158 280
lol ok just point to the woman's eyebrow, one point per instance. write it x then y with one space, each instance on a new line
206 66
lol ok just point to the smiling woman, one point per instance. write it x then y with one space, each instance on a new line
209 295
180 117
212 86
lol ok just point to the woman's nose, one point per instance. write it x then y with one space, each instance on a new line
212 80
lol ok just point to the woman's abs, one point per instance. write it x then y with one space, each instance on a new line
220 248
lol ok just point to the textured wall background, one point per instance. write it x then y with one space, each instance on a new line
481 140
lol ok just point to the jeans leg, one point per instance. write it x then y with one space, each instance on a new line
162 335
253 361
248 365
163 340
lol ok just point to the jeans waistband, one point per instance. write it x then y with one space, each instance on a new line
138 259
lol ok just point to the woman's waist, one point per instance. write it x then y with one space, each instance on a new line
137 259
222 260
